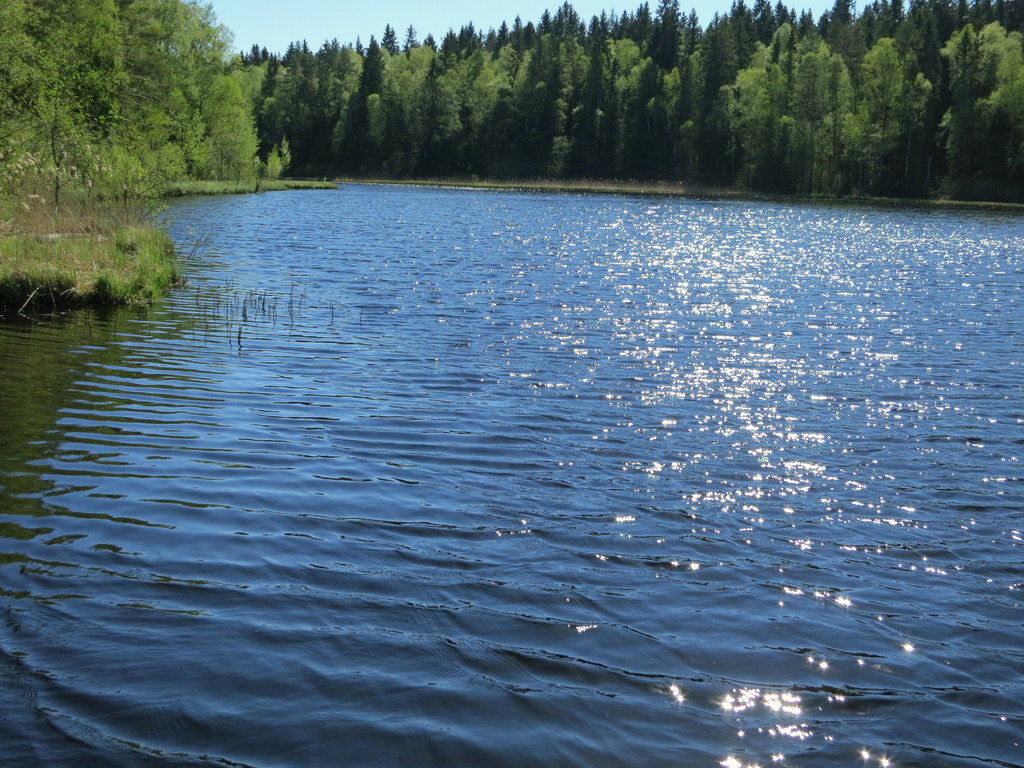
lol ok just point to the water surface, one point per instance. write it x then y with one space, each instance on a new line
442 477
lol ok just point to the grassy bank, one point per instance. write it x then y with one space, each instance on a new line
80 253
671 189
130 265
185 188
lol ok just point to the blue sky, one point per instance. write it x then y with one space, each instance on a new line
273 23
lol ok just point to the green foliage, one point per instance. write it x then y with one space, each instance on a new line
883 103
107 101
961 121
278 159
20 83
102 103
1006 101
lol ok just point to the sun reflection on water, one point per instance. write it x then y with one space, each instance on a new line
755 453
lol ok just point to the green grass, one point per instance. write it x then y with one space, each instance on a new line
130 265
185 188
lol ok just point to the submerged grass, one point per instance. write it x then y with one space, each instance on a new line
185 188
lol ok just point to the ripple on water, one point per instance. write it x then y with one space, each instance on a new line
443 477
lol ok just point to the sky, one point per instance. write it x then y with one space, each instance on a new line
274 24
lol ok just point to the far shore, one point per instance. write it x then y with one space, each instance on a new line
672 189
188 188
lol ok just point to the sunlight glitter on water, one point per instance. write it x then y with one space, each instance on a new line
693 483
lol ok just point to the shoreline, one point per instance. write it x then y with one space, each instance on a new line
133 265
685 191
203 188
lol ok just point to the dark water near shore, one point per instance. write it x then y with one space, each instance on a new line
415 477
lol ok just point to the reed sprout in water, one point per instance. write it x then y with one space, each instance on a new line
229 311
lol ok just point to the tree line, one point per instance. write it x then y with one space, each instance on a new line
113 98
893 100
110 99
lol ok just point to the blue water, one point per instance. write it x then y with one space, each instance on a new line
424 477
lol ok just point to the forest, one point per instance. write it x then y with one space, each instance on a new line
900 101
113 99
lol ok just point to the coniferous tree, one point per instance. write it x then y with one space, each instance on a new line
410 40
666 35
389 42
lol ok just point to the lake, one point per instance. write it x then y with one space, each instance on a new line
440 477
